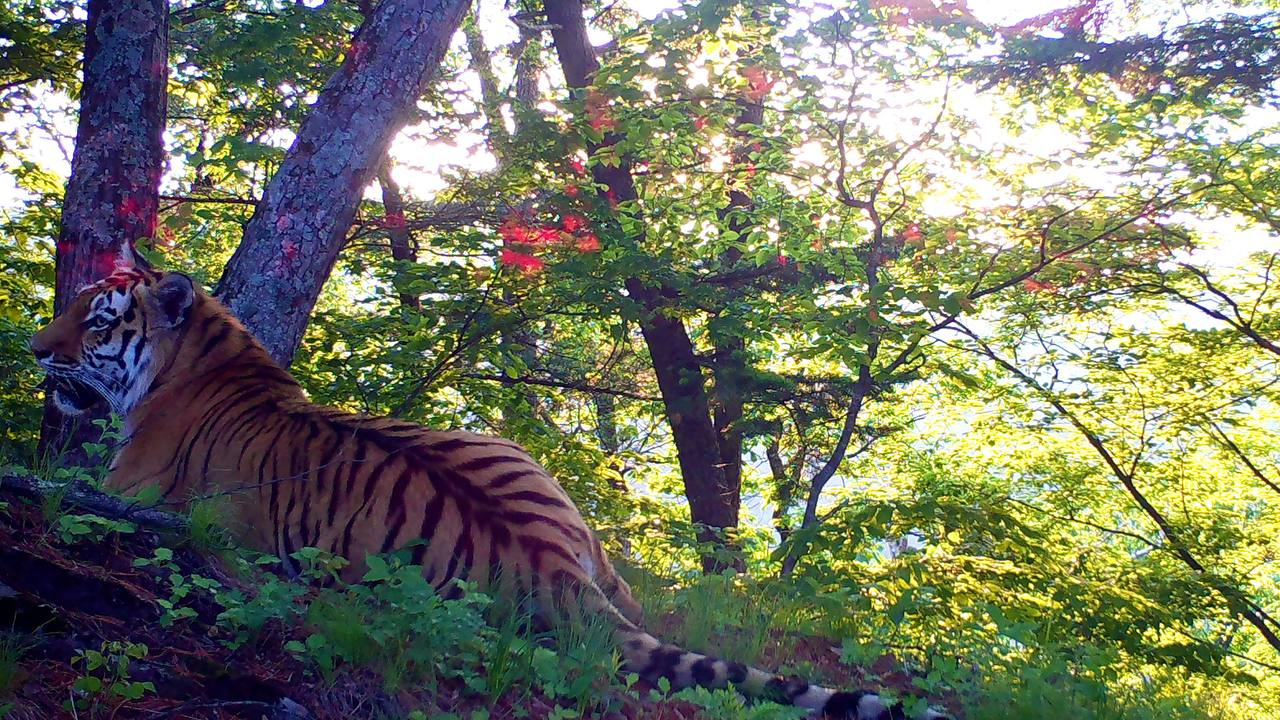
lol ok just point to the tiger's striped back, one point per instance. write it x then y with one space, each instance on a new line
211 415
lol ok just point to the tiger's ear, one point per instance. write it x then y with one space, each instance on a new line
130 259
126 260
172 296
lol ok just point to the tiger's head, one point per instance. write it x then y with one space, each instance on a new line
110 340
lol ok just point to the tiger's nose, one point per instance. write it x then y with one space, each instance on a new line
40 349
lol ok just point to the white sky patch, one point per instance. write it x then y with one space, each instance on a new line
422 167
1228 242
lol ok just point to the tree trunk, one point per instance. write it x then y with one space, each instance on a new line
402 249
838 455
519 341
113 194
292 241
713 497
490 96
785 485
729 347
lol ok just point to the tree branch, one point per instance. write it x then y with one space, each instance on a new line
1234 598
83 496
581 386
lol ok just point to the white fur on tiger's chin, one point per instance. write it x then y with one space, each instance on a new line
65 405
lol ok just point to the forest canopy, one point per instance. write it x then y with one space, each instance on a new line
939 330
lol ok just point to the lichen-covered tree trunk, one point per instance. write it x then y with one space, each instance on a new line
714 495
113 192
292 241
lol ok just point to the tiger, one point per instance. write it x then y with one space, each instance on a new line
208 412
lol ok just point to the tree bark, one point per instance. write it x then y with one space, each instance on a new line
113 193
292 241
714 500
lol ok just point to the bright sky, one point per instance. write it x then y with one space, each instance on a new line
424 165
421 162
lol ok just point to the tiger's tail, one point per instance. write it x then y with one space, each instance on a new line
652 659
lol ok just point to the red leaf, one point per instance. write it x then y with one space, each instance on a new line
513 231
598 112
573 223
758 83
1034 285
544 236
526 263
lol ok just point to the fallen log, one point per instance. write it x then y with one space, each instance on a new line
81 495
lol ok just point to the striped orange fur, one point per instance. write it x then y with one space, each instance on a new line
208 413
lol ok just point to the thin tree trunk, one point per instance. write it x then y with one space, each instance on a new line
838 455
713 500
292 241
786 489
528 68
607 433
402 250
729 348
490 97
113 194
518 341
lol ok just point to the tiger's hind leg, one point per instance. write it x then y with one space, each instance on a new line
615 588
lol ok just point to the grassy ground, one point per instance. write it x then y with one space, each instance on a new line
102 619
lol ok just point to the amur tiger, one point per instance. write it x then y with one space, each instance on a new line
208 412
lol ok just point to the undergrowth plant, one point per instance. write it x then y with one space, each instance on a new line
996 660
106 677
581 664
13 646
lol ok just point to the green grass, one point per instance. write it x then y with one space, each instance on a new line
13 646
